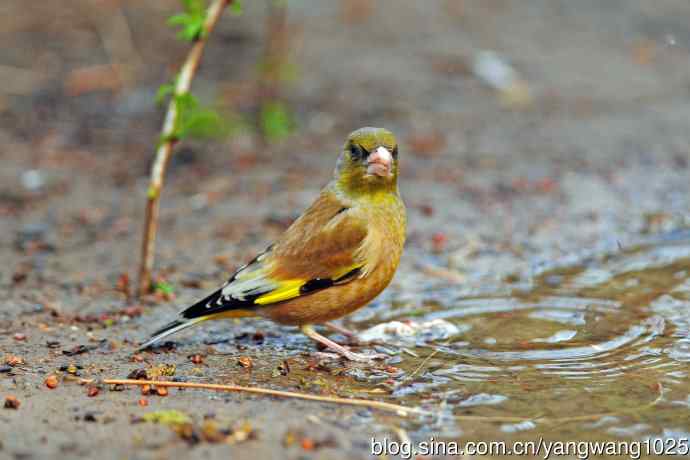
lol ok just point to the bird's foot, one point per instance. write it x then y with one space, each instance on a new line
341 330
351 336
309 331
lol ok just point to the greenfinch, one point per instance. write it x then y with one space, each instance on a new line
335 258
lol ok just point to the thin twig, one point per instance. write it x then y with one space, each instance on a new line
402 411
421 365
388 407
384 406
182 85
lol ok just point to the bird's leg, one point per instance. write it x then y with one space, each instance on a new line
342 330
309 331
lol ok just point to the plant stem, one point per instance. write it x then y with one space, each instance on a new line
164 151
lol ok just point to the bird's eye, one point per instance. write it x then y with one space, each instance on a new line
357 152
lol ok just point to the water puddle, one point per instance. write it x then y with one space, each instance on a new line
593 351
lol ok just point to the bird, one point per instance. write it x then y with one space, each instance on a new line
339 255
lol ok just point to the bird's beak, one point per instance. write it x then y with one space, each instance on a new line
380 162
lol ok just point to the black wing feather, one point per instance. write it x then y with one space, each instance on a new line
217 303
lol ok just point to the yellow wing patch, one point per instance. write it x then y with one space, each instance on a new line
289 289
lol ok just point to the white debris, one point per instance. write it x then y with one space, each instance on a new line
494 71
410 331
32 179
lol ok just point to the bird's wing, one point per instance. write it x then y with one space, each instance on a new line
320 249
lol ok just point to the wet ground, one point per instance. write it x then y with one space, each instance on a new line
551 238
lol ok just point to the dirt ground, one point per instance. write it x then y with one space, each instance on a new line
596 159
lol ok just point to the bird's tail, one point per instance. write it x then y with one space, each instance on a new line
171 328
201 311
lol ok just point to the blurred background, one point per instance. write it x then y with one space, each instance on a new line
500 106
535 128
514 118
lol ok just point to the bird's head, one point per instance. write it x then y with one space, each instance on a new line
369 162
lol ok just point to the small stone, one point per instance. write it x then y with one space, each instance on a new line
12 402
197 359
92 391
307 444
51 382
245 361
13 360
137 374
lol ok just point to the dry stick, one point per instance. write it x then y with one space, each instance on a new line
389 407
384 406
182 85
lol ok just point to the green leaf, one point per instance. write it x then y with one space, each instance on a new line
186 102
236 8
164 287
276 122
200 122
178 19
163 92
191 21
